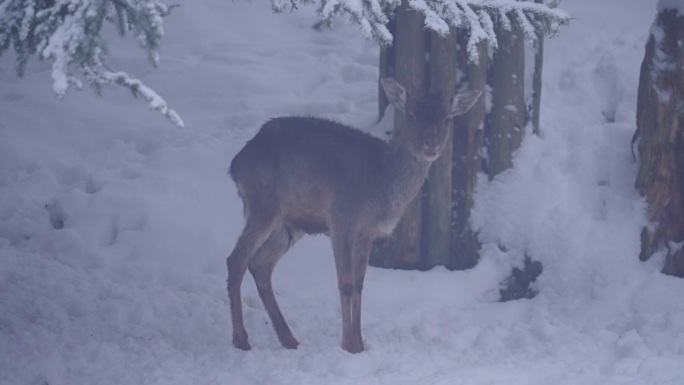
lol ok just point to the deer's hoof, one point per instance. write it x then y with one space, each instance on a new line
289 342
353 347
241 343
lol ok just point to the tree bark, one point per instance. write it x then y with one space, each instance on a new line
507 116
403 249
467 161
661 149
388 66
437 216
537 78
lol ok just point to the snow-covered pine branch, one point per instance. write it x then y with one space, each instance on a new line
370 15
139 89
69 34
476 16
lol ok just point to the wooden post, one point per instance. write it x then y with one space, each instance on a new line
437 228
507 116
467 161
537 78
388 64
403 248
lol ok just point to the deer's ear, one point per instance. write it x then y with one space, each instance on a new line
464 101
396 94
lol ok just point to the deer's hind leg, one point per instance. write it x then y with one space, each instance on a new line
261 267
258 229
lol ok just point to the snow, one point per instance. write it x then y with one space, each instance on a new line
677 5
115 225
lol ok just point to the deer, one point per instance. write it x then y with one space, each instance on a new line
308 175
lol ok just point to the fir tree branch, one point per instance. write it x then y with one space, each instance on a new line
139 89
475 16
68 33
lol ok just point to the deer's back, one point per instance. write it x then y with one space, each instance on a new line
304 165
310 147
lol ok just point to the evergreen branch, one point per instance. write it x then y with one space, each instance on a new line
504 20
169 10
478 17
528 29
68 33
139 89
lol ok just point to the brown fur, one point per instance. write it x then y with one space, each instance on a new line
305 175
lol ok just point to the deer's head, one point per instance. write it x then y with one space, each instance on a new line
428 116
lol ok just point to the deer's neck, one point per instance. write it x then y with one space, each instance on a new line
407 173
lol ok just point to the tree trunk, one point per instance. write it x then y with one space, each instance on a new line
388 67
661 149
537 78
507 116
467 161
437 216
403 249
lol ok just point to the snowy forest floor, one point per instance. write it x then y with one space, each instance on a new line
114 225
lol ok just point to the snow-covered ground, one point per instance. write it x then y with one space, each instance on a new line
115 225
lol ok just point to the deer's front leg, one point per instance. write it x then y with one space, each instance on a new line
342 249
361 253
351 251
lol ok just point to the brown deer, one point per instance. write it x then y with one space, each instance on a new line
304 175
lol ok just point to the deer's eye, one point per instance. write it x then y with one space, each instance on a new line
410 117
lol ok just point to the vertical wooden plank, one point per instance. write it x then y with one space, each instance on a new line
387 69
403 248
467 161
442 69
537 78
507 116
